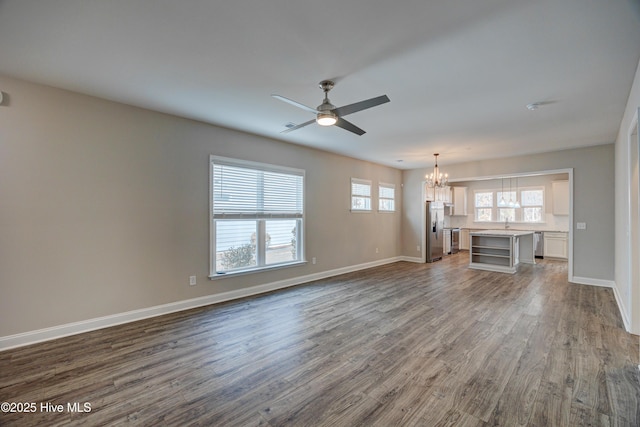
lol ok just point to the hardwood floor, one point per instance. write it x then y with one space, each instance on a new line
402 344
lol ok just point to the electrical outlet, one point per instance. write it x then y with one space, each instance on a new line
581 225
377 250
418 248
313 260
192 280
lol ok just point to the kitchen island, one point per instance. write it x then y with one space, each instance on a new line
501 250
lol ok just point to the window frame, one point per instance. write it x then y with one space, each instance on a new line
381 198
261 219
369 197
518 212
523 206
491 208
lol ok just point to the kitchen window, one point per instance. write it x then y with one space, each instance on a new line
532 201
484 206
386 197
360 195
488 205
257 216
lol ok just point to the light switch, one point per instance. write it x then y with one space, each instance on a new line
581 225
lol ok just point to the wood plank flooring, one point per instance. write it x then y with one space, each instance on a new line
399 345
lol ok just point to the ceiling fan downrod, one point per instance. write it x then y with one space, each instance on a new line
326 117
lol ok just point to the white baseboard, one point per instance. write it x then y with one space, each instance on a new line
623 312
46 334
411 259
607 284
593 282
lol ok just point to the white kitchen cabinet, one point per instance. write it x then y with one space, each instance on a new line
459 201
464 239
560 191
555 245
438 194
429 194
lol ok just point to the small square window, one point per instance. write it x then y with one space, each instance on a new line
386 197
360 195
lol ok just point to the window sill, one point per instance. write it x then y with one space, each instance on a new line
219 276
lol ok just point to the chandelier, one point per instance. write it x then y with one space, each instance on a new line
437 179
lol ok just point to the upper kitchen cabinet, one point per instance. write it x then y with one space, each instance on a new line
560 197
438 194
459 201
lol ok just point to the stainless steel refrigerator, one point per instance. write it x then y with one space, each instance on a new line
434 227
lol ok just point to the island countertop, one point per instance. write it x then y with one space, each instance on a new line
510 233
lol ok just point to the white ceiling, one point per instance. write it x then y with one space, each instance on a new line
459 73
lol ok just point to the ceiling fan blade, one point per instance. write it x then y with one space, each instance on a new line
301 125
362 105
342 123
295 103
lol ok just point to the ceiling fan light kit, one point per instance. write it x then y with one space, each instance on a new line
328 115
326 119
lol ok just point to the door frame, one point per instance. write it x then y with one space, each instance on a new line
633 227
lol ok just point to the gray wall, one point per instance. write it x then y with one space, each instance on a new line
104 207
593 173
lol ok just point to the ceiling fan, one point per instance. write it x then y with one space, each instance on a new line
328 114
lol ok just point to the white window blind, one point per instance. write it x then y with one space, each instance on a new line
255 191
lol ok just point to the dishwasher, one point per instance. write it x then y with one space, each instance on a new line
446 241
538 242
455 240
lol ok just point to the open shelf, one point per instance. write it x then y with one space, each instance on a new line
491 259
492 253
486 250
501 242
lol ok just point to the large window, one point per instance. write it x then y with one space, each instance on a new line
498 206
257 213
